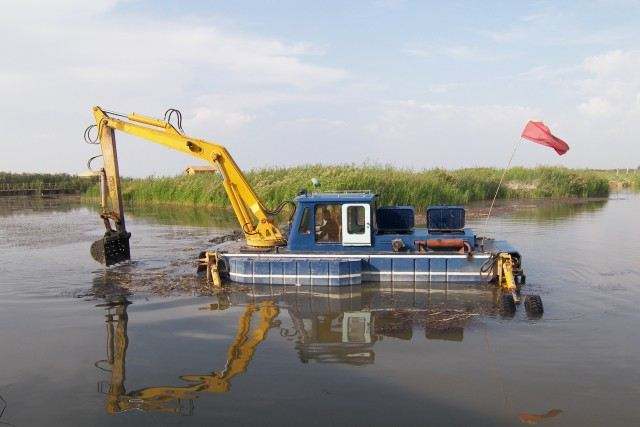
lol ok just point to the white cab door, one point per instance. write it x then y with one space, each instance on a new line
356 224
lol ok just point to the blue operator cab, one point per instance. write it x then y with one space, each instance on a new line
332 222
352 223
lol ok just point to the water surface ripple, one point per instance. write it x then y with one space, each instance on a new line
78 348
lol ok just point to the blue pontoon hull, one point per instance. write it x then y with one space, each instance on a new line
353 243
343 269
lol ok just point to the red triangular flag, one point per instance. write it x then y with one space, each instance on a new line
539 133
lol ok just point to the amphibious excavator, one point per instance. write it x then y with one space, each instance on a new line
334 239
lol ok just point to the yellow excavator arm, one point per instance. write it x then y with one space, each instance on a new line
254 219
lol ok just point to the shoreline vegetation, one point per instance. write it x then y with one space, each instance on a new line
18 181
394 185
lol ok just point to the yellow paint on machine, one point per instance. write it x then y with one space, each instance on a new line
257 225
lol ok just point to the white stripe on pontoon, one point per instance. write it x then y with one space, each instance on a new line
423 273
295 276
348 276
349 256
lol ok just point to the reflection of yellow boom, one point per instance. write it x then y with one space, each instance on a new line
159 399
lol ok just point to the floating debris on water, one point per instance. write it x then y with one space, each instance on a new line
528 418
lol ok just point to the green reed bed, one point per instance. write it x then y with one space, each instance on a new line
622 178
10 180
395 186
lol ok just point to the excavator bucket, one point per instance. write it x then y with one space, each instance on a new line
112 248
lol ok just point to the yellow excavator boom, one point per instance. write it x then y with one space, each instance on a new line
254 219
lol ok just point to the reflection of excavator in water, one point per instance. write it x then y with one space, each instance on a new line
174 398
340 326
334 327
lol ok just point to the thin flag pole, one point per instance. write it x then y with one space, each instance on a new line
504 172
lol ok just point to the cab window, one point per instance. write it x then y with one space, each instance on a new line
355 220
328 223
305 223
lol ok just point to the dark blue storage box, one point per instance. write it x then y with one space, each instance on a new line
395 219
445 218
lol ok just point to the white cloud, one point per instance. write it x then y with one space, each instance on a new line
595 107
505 36
540 15
280 101
610 36
90 45
402 114
389 4
139 53
595 103
524 26
421 133
557 25
64 57
220 117
611 85
455 52
603 85
317 122
613 63
445 87
34 12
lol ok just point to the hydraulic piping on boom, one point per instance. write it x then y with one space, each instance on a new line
255 220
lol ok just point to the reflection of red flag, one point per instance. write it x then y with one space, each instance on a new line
539 133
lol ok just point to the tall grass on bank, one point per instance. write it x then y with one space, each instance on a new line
395 186
622 178
45 180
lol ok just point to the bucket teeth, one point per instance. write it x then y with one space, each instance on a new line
112 248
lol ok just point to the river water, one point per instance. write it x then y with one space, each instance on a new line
76 348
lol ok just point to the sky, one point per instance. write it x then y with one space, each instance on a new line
410 84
